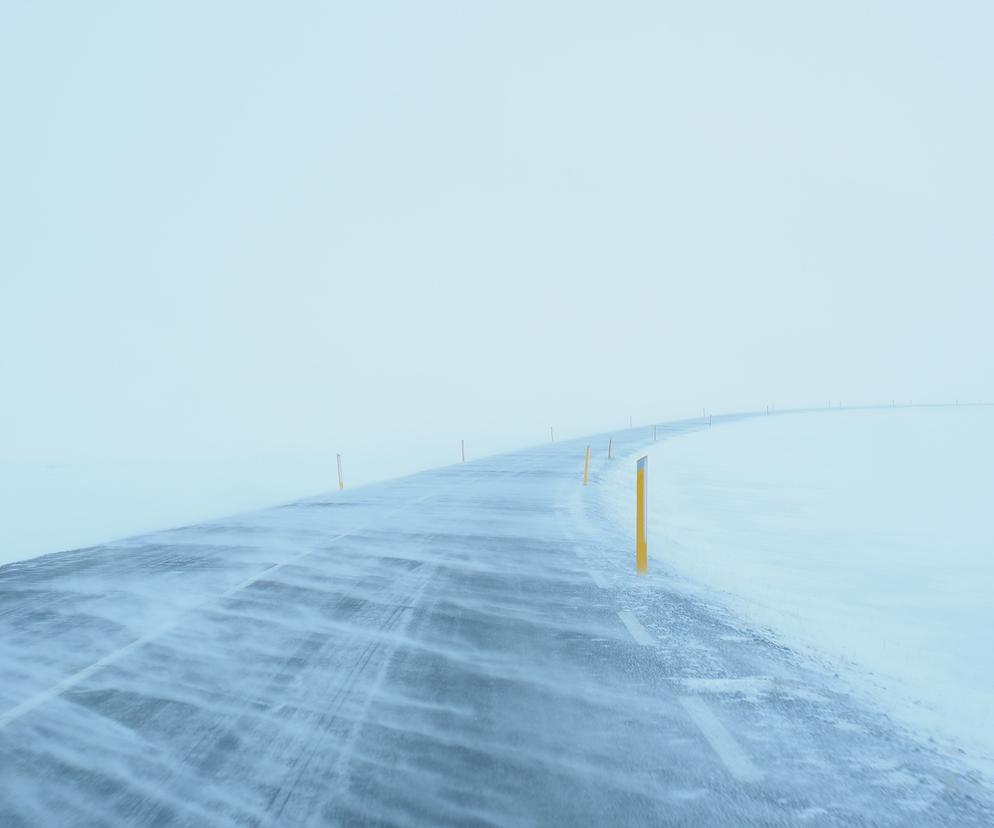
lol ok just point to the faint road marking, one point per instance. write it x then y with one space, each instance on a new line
739 765
598 579
26 706
639 633
70 681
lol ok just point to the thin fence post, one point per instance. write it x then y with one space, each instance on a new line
654 434
610 440
462 448
552 435
341 480
586 467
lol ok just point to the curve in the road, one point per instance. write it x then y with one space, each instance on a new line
469 645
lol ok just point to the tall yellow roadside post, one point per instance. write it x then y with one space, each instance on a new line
641 545
586 467
341 480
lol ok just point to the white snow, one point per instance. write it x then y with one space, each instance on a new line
48 507
52 504
861 536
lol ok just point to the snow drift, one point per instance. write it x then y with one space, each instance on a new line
859 536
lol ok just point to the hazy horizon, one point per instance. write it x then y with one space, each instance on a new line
239 229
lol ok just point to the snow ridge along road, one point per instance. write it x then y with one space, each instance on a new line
469 645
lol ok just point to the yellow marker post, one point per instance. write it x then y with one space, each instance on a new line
641 544
586 467
610 440
341 480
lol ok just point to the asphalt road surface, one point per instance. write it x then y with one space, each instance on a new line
466 646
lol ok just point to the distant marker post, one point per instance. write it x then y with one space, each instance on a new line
552 435
341 480
610 440
586 467
641 544
462 449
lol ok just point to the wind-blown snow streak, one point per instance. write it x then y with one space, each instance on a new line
428 651
8 716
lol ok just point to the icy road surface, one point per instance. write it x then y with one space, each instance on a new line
465 646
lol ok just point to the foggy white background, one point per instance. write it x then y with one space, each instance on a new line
260 233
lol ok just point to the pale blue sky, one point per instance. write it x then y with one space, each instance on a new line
250 227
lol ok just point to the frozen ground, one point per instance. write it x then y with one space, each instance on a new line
862 537
466 646
51 506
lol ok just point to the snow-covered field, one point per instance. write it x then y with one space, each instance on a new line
48 507
53 505
861 537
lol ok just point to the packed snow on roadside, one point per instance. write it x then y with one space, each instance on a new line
861 536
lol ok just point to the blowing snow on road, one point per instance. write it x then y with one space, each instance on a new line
513 284
465 646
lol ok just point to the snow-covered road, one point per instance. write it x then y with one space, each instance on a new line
469 645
